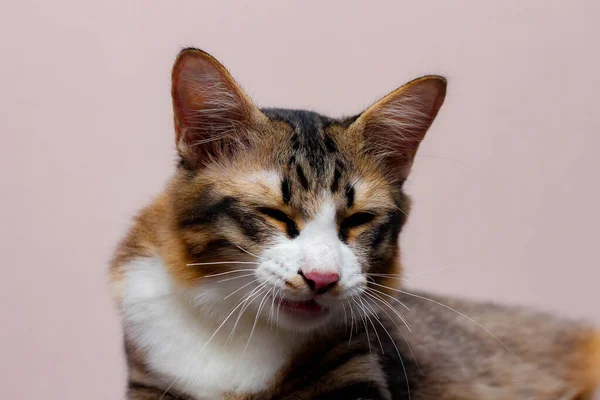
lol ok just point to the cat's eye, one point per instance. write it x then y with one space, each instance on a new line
291 227
357 219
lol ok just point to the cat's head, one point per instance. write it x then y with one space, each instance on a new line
289 215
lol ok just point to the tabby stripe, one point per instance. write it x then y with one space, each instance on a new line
330 145
291 227
302 177
295 142
337 174
350 195
353 221
286 190
252 225
392 224
204 215
210 249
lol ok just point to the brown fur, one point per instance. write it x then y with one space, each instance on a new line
444 357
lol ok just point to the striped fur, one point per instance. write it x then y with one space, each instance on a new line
210 278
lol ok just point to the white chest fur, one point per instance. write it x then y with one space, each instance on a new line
174 340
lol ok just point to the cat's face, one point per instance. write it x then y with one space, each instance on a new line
288 216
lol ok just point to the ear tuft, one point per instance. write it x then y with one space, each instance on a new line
212 113
394 127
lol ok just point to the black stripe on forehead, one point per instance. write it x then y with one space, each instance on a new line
286 190
350 195
337 174
309 138
302 177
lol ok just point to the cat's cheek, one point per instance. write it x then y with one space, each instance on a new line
281 260
352 280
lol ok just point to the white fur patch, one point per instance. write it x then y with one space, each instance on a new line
266 177
185 333
317 249
174 336
322 249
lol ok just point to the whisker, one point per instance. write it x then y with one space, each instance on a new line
228 272
168 388
373 311
235 277
260 306
278 306
352 325
247 252
452 159
273 301
221 262
237 290
248 299
272 306
205 344
429 271
399 276
399 330
397 352
351 312
459 313
345 317
364 323
258 289
220 326
391 308
391 297
401 210
374 329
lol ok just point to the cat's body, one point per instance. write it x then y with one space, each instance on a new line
269 268
446 356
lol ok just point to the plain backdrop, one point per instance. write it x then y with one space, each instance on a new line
506 184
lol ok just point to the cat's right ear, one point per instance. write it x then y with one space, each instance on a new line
213 116
393 127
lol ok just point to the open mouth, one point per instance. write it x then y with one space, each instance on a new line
304 308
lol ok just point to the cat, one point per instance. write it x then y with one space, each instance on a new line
269 267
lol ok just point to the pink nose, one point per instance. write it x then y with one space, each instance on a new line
319 281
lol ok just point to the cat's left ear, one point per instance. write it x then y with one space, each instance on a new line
392 129
213 116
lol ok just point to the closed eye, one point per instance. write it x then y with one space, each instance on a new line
358 219
353 221
291 227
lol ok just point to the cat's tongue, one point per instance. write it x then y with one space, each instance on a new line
307 307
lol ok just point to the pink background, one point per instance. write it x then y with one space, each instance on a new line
506 185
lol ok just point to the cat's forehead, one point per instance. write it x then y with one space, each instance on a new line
312 136
312 162
311 147
305 161
275 188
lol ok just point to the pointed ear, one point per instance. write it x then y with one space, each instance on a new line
393 128
212 113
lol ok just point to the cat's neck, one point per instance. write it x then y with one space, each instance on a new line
187 343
